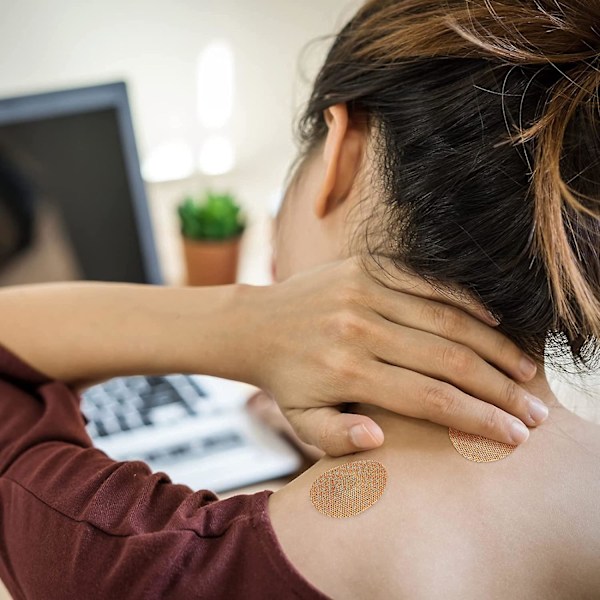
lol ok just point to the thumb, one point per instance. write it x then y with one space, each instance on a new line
336 433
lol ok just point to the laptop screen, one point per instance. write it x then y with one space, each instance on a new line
69 208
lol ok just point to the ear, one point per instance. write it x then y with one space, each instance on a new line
342 154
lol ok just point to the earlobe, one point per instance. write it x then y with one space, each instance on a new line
341 155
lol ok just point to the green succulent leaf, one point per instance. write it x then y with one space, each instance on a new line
213 217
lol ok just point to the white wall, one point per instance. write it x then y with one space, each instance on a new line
154 45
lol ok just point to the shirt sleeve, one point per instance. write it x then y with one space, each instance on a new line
76 524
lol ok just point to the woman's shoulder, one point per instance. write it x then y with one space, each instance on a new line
445 525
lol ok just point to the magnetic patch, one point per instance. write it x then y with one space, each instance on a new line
478 448
348 489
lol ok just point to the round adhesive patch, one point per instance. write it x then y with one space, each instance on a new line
478 448
348 489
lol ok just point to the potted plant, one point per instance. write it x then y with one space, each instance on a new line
212 229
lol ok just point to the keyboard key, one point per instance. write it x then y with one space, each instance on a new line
111 386
123 424
189 394
180 382
168 413
134 420
111 424
161 398
99 426
145 416
136 384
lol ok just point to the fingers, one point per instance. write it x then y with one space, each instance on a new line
385 273
454 363
455 325
416 395
334 432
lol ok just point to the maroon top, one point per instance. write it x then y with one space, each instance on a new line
76 524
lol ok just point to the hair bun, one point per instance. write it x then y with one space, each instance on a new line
562 35
528 31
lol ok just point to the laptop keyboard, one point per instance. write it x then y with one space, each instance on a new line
195 429
130 403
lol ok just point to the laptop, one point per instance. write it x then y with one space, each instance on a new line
69 182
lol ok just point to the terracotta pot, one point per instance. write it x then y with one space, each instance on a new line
211 263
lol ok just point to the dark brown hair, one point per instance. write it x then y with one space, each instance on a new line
487 116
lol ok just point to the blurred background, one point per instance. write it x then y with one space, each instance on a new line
213 88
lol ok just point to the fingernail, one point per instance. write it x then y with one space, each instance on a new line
528 367
362 437
491 319
538 411
518 432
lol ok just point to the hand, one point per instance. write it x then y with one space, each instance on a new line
263 407
337 335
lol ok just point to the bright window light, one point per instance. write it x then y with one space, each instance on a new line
170 161
215 82
216 155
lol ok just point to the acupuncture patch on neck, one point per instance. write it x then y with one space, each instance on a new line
477 448
348 489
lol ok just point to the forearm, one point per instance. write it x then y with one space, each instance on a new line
85 332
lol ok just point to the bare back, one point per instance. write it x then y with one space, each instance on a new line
527 526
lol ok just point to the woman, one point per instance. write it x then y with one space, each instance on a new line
76 523
407 155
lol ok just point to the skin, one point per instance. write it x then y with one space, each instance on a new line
522 527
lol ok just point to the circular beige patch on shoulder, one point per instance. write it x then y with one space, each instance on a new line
478 448
348 489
